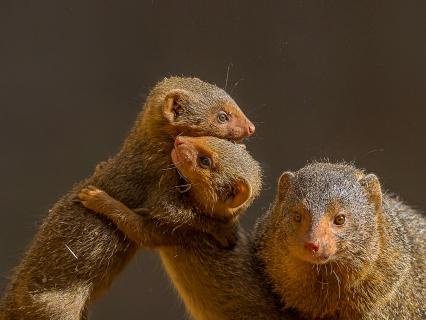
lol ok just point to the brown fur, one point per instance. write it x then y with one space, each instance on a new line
75 254
370 267
214 282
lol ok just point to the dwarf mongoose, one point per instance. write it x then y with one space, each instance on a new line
75 254
335 246
214 282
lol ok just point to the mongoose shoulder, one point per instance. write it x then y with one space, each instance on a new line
75 254
214 282
335 246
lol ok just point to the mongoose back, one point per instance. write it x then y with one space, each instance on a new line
214 282
75 254
334 246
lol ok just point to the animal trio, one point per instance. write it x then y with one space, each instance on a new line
333 244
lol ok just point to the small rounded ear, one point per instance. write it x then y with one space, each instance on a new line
174 104
241 193
372 185
284 183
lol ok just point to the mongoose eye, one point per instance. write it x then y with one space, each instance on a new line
222 117
339 220
297 217
204 162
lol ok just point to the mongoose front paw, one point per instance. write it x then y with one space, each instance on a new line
93 198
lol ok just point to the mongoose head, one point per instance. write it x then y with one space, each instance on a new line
221 176
328 212
192 107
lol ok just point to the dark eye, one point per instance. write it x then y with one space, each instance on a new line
222 116
339 220
205 162
297 217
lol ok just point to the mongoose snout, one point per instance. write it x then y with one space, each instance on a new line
318 252
184 154
242 127
233 122
311 246
320 241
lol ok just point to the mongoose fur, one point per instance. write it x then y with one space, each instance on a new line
334 246
214 282
75 254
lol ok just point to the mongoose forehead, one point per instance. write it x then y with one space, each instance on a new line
203 91
319 185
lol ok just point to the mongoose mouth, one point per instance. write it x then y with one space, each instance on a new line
183 185
320 259
315 257
183 160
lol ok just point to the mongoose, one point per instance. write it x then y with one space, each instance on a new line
75 254
335 246
214 282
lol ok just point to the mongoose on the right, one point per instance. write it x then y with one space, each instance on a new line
335 246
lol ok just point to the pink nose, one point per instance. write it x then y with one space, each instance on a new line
312 246
251 129
179 141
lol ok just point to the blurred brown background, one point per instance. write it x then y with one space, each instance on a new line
337 79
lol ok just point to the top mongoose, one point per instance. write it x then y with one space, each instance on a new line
75 254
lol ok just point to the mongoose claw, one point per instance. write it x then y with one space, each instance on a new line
92 198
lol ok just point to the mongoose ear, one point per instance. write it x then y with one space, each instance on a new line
284 183
372 185
241 193
174 103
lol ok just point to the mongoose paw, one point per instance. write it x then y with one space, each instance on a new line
93 198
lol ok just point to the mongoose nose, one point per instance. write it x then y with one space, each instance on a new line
312 246
251 128
179 141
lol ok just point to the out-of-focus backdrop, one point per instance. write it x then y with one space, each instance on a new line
320 79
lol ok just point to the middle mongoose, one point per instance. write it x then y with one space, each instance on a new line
214 282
